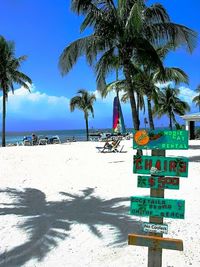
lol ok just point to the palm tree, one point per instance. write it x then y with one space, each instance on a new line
84 102
146 80
169 103
145 83
128 29
196 99
10 74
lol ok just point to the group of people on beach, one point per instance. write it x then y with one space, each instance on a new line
33 139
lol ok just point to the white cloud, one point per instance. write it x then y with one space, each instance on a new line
108 100
187 94
36 105
163 85
40 108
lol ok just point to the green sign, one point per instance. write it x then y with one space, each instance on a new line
157 182
160 166
157 139
158 207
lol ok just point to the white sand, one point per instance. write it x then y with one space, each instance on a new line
68 206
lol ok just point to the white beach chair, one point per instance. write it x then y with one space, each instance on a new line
27 143
42 141
55 140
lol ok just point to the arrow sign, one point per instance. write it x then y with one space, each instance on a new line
155 242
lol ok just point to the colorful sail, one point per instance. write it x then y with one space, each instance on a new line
118 120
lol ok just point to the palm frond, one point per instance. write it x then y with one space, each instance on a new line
198 89
135 19
81 6
165 49
88 46
196 99
147 53
156 14
125 97
75 102
116 85
108 62
83 101
178 35
171 74
21 76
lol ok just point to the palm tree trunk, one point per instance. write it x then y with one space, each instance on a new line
138 108
170 122
4 121
151 123
87 131
199 102
138 104
135 115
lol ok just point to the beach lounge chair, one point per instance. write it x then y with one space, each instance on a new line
55 140
27 143
42 141
110 146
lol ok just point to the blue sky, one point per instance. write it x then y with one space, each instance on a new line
41 29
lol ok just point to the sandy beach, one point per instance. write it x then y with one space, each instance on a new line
68 205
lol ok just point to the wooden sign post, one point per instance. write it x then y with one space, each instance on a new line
155 255
156 207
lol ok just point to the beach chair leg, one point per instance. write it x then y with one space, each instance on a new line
121 149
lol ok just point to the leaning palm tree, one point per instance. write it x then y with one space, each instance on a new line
124 28
170 104
9 75
196 99
84 102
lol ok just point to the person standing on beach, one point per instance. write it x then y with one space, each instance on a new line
34 139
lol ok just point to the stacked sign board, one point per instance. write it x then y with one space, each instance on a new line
160 173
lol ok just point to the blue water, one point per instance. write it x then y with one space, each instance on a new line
79 135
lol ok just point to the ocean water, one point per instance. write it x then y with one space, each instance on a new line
78 135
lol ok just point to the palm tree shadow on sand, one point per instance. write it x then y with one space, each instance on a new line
47 223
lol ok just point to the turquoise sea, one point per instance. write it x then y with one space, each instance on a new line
78 135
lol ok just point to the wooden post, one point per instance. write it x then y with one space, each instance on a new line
155 255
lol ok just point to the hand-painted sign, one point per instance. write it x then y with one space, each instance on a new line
155 228
157 182
155 242
158 207
157 139
160 166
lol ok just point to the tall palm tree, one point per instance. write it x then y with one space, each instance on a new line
196 99
9 75
84 102
146 80
170 104
145 83
126 28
